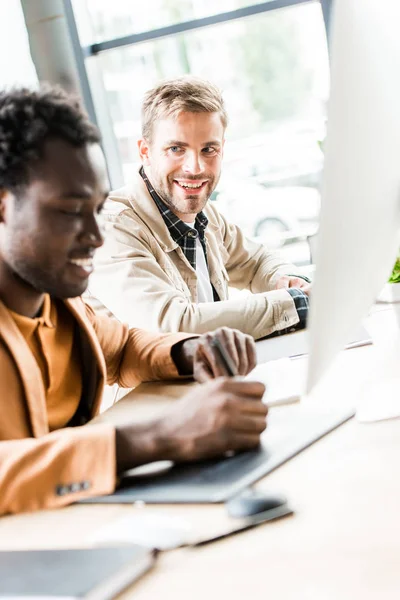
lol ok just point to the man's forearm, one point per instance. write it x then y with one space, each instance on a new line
141 444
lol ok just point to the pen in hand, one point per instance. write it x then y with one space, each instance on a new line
231 371
224 358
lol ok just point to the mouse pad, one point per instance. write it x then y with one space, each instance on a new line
290 430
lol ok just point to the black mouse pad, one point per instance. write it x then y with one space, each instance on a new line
290 430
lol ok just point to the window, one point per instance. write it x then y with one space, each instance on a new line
123 17
274 72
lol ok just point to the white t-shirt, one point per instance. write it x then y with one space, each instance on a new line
204 287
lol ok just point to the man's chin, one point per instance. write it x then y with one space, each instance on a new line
191 204
56 286
65 291
73 292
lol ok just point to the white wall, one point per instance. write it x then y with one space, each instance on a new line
16 66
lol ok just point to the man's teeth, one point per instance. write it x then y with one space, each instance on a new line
82 262
190 185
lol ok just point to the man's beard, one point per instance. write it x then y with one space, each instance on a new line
166 193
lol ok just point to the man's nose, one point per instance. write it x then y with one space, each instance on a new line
193 163
92 232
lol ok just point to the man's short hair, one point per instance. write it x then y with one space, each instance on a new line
184 94
30 117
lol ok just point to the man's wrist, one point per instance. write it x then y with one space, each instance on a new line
182 353
137 445
145 443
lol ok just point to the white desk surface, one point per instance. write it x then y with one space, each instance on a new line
343 543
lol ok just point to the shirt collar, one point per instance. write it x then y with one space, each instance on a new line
47 318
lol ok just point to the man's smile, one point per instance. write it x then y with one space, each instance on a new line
190 185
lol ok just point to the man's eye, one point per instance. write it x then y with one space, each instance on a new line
71 213
175 149
209 150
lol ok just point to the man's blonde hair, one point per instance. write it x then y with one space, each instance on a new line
184 94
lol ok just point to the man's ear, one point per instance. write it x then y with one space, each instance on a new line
144 152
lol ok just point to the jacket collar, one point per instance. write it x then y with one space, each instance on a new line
144 206
78 309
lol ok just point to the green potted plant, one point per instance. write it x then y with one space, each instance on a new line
395 276
391 290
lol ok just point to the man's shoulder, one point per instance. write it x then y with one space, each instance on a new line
131 200
121 194
127 196
121 205
117 202
86 316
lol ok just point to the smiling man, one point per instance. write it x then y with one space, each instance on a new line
56 354
169 254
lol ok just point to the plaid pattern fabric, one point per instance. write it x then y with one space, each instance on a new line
180 232
301 303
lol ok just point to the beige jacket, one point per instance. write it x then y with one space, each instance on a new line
143 277
39 469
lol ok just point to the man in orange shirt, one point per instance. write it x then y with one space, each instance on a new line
56 354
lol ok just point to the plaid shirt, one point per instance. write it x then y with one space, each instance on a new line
301 303
186 237
181 233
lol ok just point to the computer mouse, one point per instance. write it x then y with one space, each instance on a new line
251 502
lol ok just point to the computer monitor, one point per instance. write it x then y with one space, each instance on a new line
360 209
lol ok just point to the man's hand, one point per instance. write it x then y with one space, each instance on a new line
216 417
199 356
288 281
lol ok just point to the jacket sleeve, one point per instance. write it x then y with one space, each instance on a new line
130 283
59 468
134 355
251 265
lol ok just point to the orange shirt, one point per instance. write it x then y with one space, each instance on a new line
50 338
